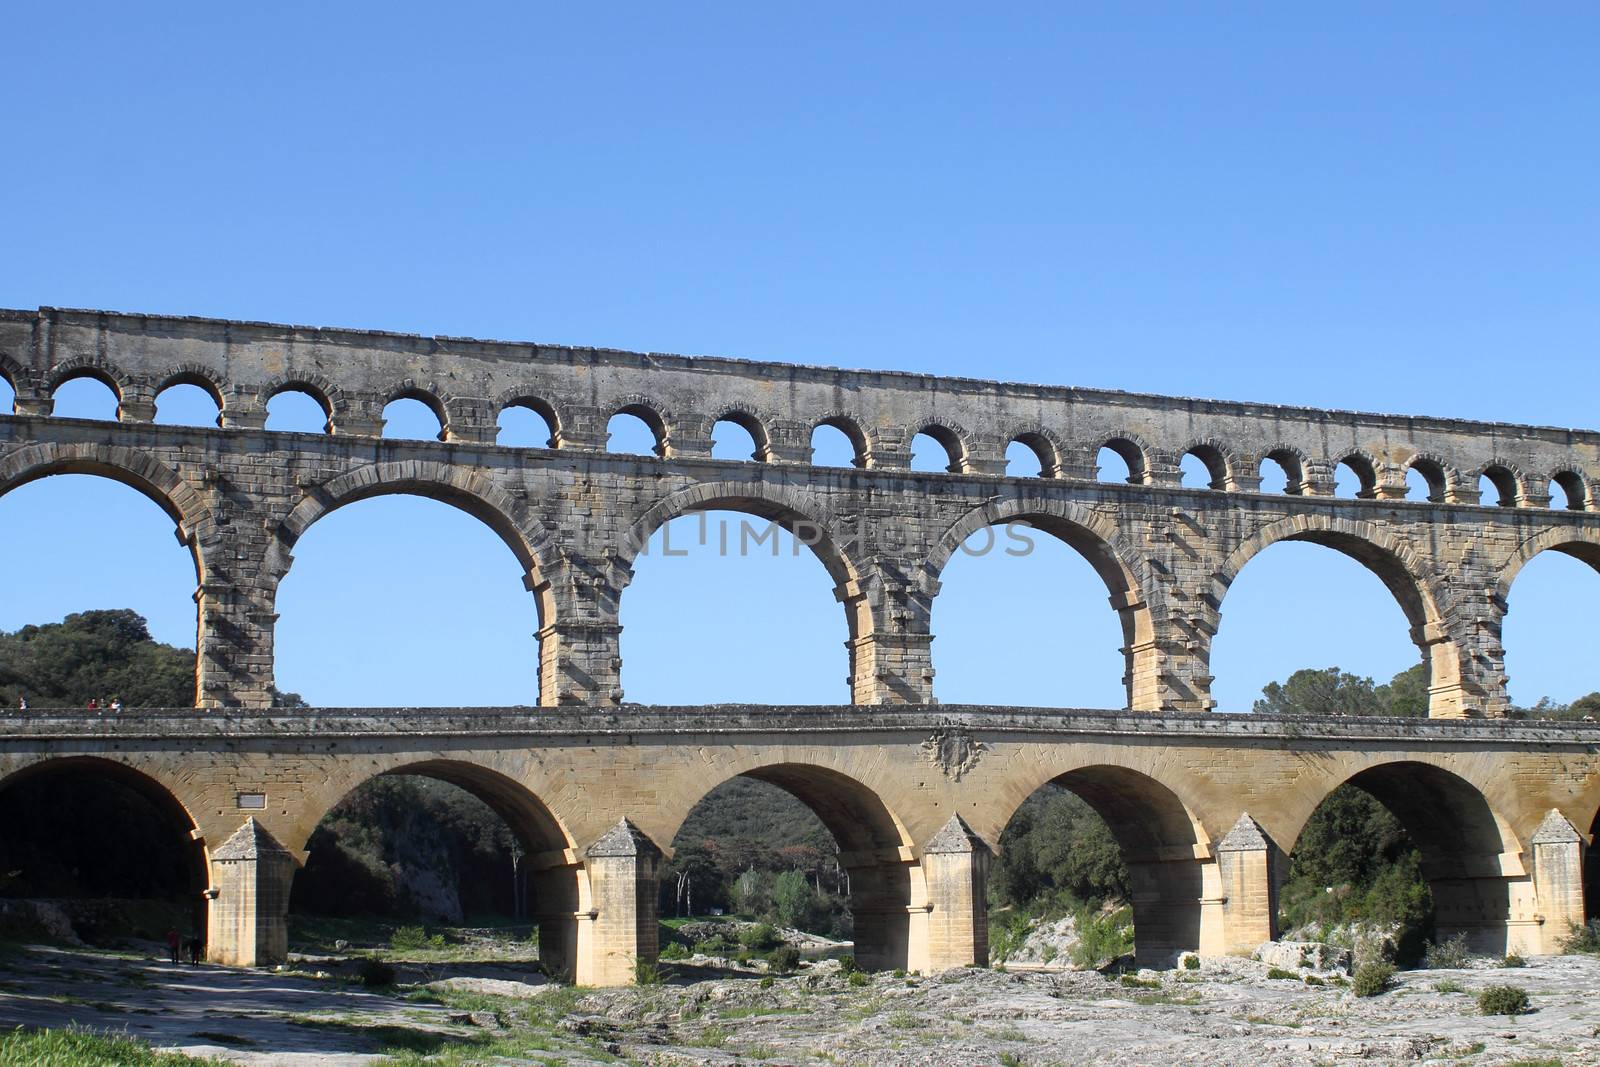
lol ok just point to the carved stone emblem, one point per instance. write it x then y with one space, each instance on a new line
954 750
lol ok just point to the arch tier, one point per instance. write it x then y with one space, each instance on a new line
578 519
1205 809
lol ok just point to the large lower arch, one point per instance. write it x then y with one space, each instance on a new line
1096 539
98 827
474 494
156 482
874 848
550 866
1470 855
1164 847
808 523
1401 572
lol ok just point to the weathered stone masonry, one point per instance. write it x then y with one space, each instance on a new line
1205 808
575 516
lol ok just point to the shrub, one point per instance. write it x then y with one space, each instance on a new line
1583 938
1373 979
406 938
646 973
674 951
1502 1000
1449 986
761 936
1279 972
1102 938
713 946
1135 982
1312 979
858 978
848 965
1513 960
375 974
767 981
1191 962
783 959
1448 955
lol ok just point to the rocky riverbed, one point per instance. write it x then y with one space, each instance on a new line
1224 1012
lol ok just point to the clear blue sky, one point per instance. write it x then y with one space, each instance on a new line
1370 206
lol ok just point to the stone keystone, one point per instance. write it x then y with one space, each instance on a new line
1246 836
250 842
623 839
955 837
1556 830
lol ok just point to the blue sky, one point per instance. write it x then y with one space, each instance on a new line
1366 206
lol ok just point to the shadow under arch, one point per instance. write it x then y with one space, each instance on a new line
1462 842
550 868
874 848
182 845
794 512
1096 540
1163 845
1400 571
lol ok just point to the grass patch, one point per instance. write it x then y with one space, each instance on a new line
73 1046
1449 985
1278 973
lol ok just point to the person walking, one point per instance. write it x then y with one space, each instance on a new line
172 943
115 705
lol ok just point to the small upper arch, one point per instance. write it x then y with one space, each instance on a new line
1578 494
655 418
105 373
1505 480
1436 474
1291 465
1046 447
1365 470
851 427
328 396
196 375
752 423
528 400
952 439
428 398
1133 451
1218 460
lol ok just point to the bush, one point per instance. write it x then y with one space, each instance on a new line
1373 979
858 978
848 965
674 951
1191 962
713 946
761 936
646 973
375 974
767 981
1502 1000
1279 972
1312 979
1102 938
783 959
1449 986
1583 938
1513 960
1449 955
407 938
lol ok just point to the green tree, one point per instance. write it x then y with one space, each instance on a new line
94 655
793 899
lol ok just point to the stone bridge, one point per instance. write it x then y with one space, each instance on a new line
1205 808
577 517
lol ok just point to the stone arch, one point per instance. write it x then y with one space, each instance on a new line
1044 444
1396 564
1221 462
318 388
1134 450
649 411
1582 544
102 371
1508 479
1579 493
538 403
1443 480
797 512
13 372
1094 537
200 376
874 845
753 423
469 491
955 441
1469 849
1294 463
553 867
132 467
854 428
1367 470
427 396
1162 839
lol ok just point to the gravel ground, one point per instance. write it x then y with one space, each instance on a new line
1227 1012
